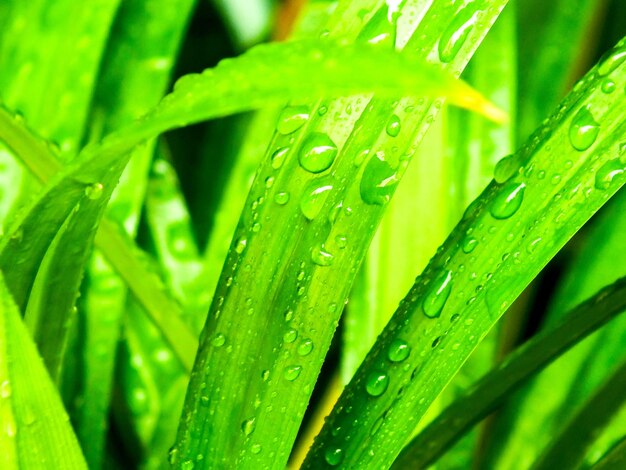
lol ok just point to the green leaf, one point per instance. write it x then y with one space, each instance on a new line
614 459
35 428
519 224
484 396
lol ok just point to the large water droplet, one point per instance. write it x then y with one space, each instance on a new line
437 295
508 200
291 119
317 152
456 33
305 347
393 126
321 257
378 181
292 373
377 383
333 456
583 130
505 169
379 30
313 200
290 335
248 426
398 350
611 60
607 172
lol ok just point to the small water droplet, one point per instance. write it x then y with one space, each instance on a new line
288 315
505 169
437 295
94 191
256 449
281 198
278 157
292 373
508 201
290 336
313 200
377 383
265 375
321 257
317 152
378 181
583 130
173 456
608 86
305 347
456 33
218 340
187 465
248 426
393 126
333 456
341 241
398 350
532 246
240 245
291 119
469 243
607 172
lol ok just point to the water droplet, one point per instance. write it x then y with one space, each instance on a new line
240 245
292 373
290 336
341 241
505 169
218 340
469 243
281 198
256 449
173 456
269 181
393 126
508 200
611 60
265 375
398 350
608 86
313 200
333 456
583 129
248 426
291 119
377 383
532 246
378 181
456 33
317 152
278 157
437 295
379 30
94 191
607 172
288 315
305 347
187 465
321 257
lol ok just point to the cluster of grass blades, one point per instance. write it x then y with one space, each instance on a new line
242 292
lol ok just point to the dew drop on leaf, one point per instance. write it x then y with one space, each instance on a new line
219 340
583 129
291 119
94 191
376 383
278 157
508 201
505 169
321 257
398 350
248 426
341 241
292 373
333 456
611 60
437 295
607 172
256 449
317 152
379 30
240 245
469 243
378 181
305 347
290 336
456 33
313 200
281 198
608 86
393 126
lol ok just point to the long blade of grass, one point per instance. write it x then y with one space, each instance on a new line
35 428
518 224
145 39
287 295
568 449
496 387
